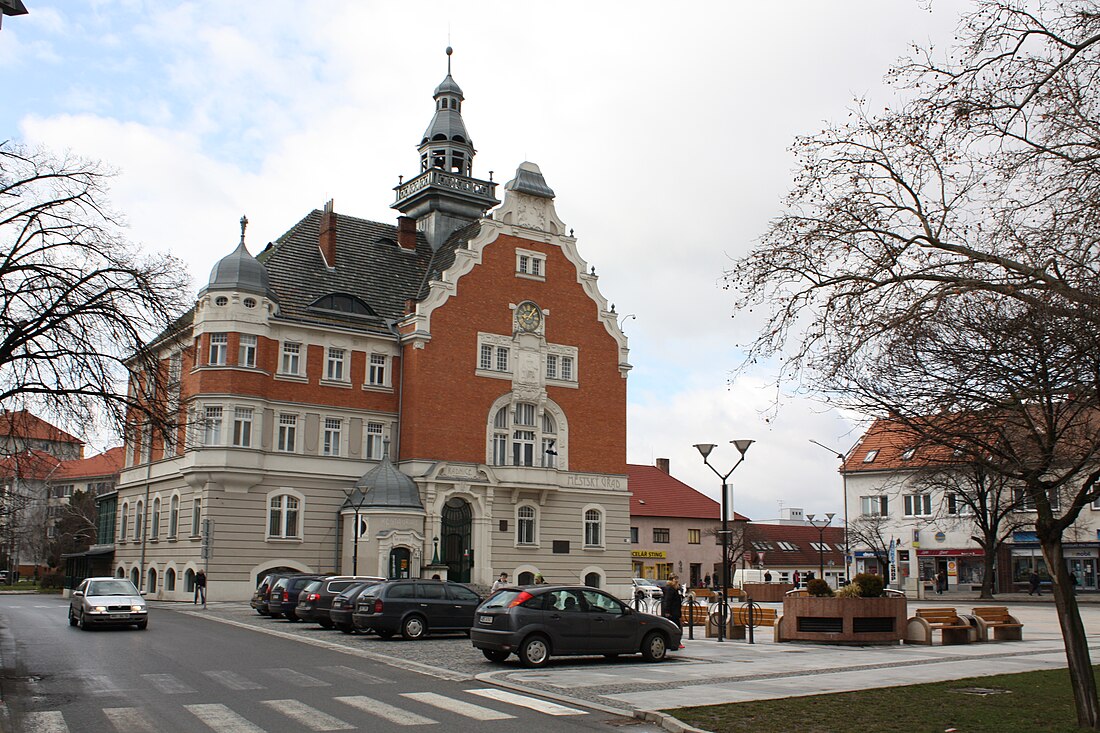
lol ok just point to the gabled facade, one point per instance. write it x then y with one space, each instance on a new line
792 545
376 398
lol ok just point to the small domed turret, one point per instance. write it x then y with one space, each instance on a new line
241 272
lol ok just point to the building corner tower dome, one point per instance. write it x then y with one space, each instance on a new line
240 272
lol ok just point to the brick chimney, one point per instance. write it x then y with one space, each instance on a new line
662 463
327 242
406 233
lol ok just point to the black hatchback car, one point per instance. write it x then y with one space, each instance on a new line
415 608
315 599
262 595
283 600
537 622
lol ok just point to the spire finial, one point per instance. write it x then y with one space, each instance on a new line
449 52
244 225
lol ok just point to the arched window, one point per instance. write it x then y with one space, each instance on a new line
592 579
283 514
521 436
189 581
151 585
170 579
135 577
526 578
154 523
593 528
139 520
123 524
525 525
174 519
120 573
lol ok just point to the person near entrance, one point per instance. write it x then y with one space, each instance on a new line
1033 584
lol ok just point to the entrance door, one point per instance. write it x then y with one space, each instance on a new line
458 554
1085 570
399 562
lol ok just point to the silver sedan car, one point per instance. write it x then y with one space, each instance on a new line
107 602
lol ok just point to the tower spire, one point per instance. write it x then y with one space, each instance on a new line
449 52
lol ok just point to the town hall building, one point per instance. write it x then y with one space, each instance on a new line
448 392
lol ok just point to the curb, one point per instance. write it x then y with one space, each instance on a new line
666 721
490 679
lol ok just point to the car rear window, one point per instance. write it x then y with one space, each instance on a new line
311 586
504 598
338 585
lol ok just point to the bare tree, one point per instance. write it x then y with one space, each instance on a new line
939 263
874 532
984 500
78 302
75 530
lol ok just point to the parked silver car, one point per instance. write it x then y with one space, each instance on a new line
107 602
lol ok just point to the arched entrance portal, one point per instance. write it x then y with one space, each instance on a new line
457 553
399 562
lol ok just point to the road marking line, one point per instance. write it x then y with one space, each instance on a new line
296 678
222 719
232 680
533 703
457 706
395 715
168 684
310 717
45 721
130 720
356 674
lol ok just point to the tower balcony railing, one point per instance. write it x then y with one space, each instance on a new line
440 178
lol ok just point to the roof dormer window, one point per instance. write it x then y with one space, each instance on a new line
908 454
871 456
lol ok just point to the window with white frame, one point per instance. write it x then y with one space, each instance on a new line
154 522
1025 502
521 437
918 505
500 437
551 366
525 525
212 425
331 438
871 456
561 363
283 511
291 361
485 360
501 359
334 365
593 528
242 427
957 504
196 517
174 516
549 452
219 349
567 368
374 441
376 372
124 521
139 520
246 351
788 546
288 432
530 264
874 506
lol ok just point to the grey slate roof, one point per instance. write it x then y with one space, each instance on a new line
529 180
240 271
448 86
385 487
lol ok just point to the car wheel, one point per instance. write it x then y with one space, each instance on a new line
72 618
654 647
415 627
385 634
81 622
262 613
292 617
325 624
495 655
534 651
143 625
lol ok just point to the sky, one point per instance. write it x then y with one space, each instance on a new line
664 132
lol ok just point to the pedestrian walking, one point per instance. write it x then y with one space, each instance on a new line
200 588
672 600
1033 584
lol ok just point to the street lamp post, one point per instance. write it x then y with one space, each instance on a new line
821 539
704 449
355 533
844 489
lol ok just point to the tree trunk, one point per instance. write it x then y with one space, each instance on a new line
1082 679
989 563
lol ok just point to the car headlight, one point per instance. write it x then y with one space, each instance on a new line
100 609
137 609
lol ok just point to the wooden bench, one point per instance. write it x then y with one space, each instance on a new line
760 616
694 615
953 630
1005 626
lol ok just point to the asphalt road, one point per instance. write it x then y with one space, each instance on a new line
186 674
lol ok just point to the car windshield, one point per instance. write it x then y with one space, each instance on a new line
503 598
111 588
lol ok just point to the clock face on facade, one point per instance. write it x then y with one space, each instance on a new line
528 316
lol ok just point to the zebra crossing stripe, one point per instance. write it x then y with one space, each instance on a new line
296 678
457 706
532 703
357 674
309 717
395 715
232 680
45 721
130 720
221 719
168 684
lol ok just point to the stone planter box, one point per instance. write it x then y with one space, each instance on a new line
767 592
842 620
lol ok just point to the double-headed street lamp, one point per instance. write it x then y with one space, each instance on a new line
821 538
704 449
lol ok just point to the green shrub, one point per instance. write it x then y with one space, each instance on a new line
848 591
819 587
52 580
870 585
